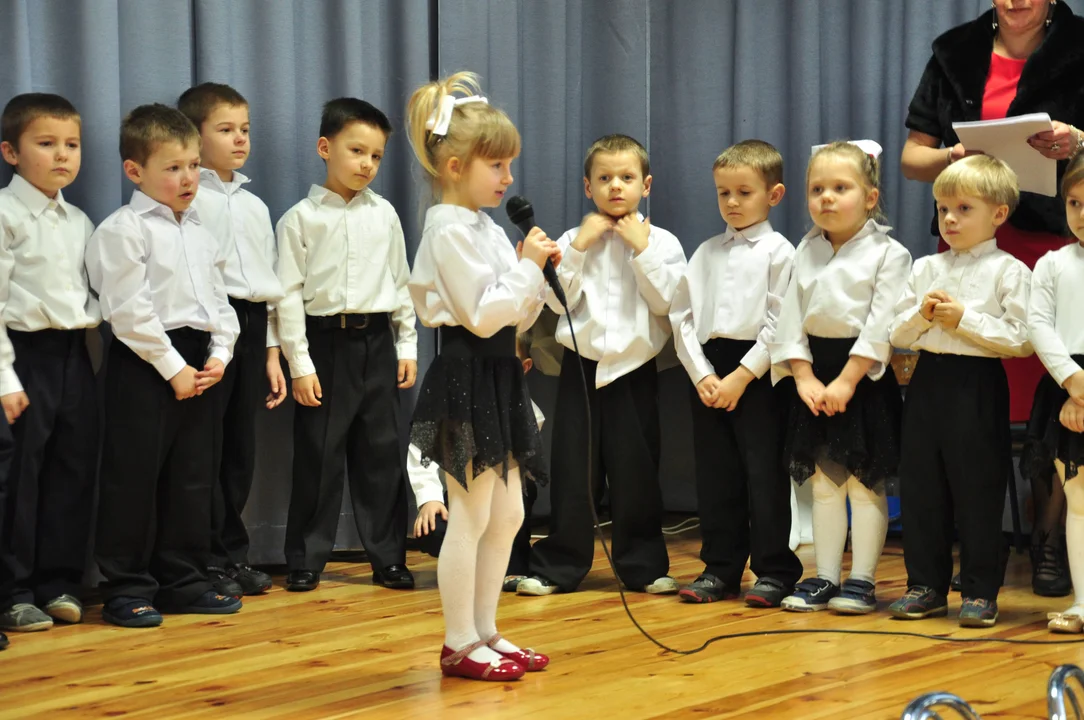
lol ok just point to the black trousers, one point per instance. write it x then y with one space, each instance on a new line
154 507
519 563
624 443
51 485
7 452
742 486
241 395
956 452
353 433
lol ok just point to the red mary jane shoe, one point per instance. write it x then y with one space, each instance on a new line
456 664
526 658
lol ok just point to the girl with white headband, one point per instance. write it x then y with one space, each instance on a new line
474 416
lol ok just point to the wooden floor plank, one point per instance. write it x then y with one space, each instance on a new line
350 649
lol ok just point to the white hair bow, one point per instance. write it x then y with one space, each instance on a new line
442 116
869 147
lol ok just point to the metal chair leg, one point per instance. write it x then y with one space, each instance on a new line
1058 690
922 707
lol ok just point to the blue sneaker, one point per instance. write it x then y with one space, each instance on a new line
978 613
856 597
131 612
811 595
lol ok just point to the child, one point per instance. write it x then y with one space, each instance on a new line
242 225
173 335
1055 440
7 449
347 324
430 526
965 310
721 336
473 415
832 336
619 278
47 307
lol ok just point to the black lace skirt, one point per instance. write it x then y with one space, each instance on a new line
474 409
1047 439
865 439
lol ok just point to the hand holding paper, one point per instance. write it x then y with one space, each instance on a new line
1007 140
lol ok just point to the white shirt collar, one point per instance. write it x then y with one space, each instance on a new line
871 227
35 200
145 205
446 213
751 233
209 178
321 195
983 248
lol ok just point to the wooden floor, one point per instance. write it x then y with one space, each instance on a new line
350 650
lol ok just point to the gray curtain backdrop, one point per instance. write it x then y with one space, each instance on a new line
686 77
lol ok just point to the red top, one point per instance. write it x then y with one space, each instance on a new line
1001 86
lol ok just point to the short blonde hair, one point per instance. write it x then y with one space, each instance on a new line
476 129
757 155
1074 174
981 176
148 127
867 167
616 144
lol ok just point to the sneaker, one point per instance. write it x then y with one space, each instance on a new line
919 602
223 583
511 583
957 585
24 617
856 597
131 612
3 641
211 603
810 595
1049 574
536 586
251 580
977 612
705 589
65 608
665 585
766 593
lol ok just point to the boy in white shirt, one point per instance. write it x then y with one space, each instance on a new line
431 497
619 275
347 328
724 314
46 304
965 310
158 275
241 223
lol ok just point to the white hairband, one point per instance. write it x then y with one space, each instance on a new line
441 116
869 147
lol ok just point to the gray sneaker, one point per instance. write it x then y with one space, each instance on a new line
24 617
65 608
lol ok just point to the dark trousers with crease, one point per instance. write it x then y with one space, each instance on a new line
353 435
742 487
241 395
624 442
156 481
51 483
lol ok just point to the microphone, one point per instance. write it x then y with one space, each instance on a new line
521 214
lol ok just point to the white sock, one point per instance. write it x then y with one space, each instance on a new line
468 516
1074 530
869 525
494 549
829 525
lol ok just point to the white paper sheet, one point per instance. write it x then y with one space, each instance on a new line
1007 140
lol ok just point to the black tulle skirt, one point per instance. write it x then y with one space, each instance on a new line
1047 439
474 409
865 440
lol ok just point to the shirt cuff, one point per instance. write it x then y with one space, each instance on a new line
969 322
757 360
273 333
650 259
1063 372
407 351
168 365
301 366
879 351
700 369
222 354
9 382
790 351
430 491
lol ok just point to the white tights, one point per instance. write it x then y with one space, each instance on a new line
1074 533
869 523
482 524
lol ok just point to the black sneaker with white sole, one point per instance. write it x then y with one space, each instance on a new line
810 595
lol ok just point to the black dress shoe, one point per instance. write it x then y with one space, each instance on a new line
396 577
223 583
251 580
302 580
